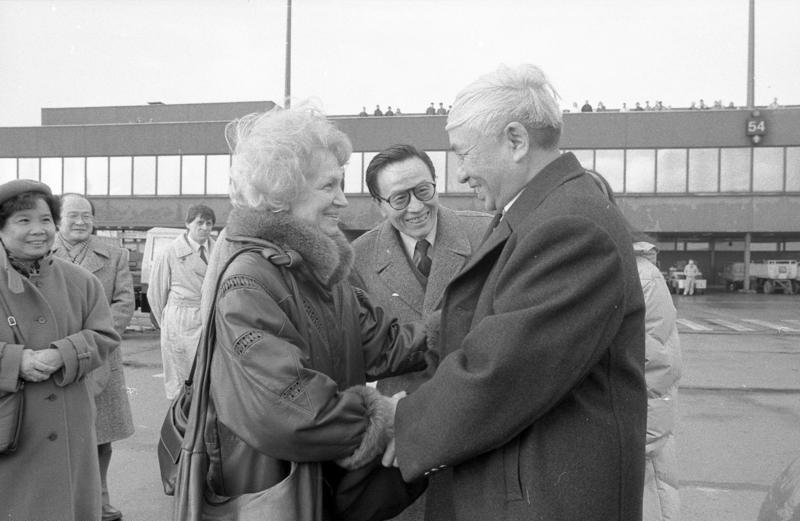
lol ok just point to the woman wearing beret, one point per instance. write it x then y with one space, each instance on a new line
63 331
295 343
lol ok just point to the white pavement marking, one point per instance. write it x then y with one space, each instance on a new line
693 325
792 320
770 325
159 375
730 325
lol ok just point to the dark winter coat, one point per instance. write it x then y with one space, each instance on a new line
283 370
538 408
386 273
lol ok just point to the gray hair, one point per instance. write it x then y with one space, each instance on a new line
522 94
274 155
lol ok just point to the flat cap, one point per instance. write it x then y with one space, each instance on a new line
13 188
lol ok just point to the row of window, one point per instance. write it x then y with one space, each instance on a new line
697 170
645 171
727 245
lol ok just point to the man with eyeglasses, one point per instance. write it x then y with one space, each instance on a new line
76 242
538 406
405 262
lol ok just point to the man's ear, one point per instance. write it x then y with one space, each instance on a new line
517 138
381 208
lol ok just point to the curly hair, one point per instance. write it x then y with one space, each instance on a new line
275 155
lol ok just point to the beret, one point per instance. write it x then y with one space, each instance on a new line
16 187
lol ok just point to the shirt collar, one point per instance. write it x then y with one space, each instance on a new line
410 243
508 205
196 245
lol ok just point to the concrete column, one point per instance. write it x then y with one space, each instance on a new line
747 261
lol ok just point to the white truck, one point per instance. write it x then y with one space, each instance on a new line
765 277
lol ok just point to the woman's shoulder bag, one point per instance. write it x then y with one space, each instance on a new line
11 403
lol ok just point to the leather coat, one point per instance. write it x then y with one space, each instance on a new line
292 341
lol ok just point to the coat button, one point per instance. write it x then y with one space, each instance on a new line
53 436
41 320
51 397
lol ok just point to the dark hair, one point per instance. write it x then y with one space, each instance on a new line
26 201
201 210
391 155
76 194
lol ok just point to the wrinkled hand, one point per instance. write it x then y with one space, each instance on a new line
51 358
389 458
32 369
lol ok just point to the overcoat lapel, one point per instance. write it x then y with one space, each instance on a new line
495 240
451 251
394 270
96 256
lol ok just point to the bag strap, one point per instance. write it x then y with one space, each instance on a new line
278 259
198 409
12 322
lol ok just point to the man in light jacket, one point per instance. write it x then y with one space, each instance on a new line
174 295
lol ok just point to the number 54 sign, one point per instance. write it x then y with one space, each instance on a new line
756 127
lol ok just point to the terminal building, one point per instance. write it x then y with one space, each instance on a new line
716 186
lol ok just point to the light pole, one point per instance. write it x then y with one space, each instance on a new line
751 56
287 86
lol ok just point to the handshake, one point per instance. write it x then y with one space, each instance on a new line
389 455
39 365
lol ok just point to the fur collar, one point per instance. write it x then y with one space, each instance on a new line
329 258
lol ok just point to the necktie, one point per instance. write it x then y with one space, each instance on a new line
203 253
421 259
492 226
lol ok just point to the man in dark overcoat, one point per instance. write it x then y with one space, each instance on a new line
537 409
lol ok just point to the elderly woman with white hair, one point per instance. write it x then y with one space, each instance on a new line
295 343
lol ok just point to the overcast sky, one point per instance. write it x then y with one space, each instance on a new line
352 53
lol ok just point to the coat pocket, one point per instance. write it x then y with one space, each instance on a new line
511 470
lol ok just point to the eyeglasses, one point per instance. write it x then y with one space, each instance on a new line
462 155
85 217
400 201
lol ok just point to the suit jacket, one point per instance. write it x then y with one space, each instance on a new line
387 274
538 408
109 263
